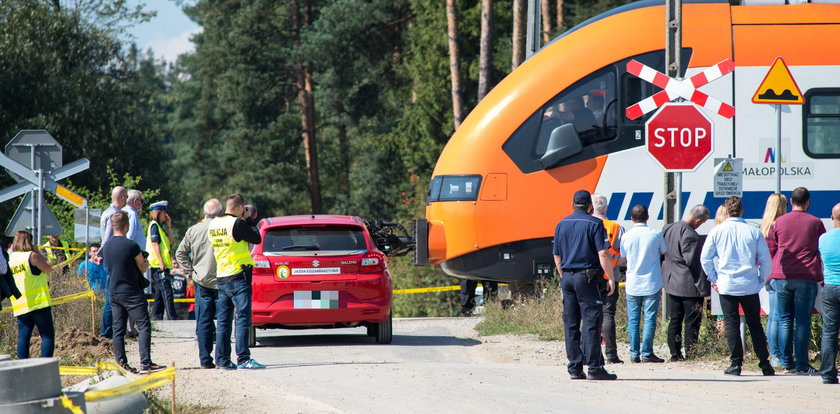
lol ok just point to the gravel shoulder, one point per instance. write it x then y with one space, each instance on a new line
438 365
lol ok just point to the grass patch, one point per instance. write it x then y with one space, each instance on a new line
541 315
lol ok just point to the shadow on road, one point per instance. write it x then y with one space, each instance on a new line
687 380
287 341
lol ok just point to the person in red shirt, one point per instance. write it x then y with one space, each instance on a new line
797 268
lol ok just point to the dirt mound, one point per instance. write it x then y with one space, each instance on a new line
77 346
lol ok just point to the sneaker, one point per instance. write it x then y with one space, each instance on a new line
614 360
832 380
767 369
733 370
227 366
250 364
151 368
807 371
677 358
600 374
209 366
775 361
635 359
128 368
577 375
791 371
652 358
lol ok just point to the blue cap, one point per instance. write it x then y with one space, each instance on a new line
582 197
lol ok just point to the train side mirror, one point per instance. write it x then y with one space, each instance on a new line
563 143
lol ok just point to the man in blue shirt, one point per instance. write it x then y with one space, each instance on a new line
94 271
738 246
582 256
135 229
830 252
642 246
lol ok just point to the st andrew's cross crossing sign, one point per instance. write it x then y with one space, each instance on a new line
679 137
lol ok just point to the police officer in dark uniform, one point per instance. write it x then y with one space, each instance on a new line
581 253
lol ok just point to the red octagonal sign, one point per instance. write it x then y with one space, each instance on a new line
679 136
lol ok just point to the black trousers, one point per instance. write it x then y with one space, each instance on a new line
608 327
731 319
688 310
134 305
468 287
164 298
582 303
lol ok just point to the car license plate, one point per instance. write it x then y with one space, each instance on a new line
316 299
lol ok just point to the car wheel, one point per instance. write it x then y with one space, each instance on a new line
252 337
371 330
383 331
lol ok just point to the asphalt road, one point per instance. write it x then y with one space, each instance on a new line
441 366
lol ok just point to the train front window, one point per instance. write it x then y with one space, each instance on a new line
822 123
454 188
594 106
584 106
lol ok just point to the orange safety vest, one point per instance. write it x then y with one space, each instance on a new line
612 234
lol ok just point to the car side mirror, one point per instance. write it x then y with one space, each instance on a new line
563 144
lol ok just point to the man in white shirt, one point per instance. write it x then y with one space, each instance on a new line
642 246
738 246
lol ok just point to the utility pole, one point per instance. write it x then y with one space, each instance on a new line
532 38
673 51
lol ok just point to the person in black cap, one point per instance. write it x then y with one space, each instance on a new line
582 256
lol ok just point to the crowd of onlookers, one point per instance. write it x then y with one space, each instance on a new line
116 270
790 255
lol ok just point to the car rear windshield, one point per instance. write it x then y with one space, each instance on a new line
291 239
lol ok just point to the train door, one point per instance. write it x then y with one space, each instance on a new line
810 146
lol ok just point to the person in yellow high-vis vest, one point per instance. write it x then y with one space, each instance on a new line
33 307
614 233
160 260
229 235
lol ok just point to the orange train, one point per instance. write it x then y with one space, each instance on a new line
557 124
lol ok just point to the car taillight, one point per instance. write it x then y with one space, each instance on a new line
373 263
261 264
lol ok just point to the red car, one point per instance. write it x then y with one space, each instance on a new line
320 271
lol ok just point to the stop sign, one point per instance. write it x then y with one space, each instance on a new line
679 136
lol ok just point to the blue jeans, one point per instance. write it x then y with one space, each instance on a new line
42 318
634 310
164 298
831 323
205 329
107 330
235 294
795 304
773 324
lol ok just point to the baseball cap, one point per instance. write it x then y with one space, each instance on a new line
582 197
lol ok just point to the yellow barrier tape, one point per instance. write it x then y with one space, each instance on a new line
70 260
154 380
75 249
70 406
73 297
423 290
64 299
182 300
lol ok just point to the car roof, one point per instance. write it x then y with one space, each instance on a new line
312 219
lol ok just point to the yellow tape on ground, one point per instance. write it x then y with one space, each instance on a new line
70 406
154 380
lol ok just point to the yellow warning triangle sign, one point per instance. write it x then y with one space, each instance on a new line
727 167
778 87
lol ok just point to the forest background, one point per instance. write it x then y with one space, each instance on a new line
303 106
